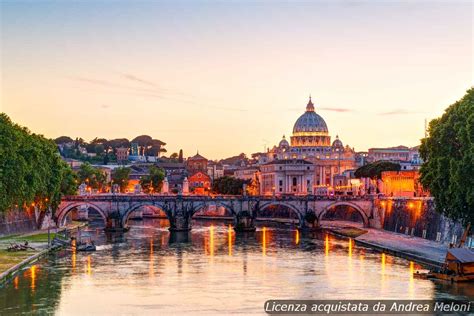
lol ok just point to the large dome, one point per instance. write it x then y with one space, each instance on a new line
310 121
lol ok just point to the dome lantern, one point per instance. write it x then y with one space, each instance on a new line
310 105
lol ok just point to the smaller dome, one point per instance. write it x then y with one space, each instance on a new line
283 143
337 143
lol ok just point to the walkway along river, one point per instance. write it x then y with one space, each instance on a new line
212 270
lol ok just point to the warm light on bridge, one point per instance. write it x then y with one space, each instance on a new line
229 239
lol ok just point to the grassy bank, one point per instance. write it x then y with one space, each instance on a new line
37 239
9 259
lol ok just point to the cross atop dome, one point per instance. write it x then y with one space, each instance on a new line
310 106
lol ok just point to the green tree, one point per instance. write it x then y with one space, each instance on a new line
63 140
229 185
69 182
31 169
374 170
91 176
448 154
153 181
120 177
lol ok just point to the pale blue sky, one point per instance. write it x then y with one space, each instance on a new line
229 77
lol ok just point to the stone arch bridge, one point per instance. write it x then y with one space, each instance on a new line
115 209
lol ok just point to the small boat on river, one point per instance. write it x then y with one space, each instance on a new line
459 263
85 244
458 266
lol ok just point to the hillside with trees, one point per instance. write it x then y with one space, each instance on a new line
102 150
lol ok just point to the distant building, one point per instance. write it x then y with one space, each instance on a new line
137 153
246 173
122 154
196 163
215 170
73 163
398 153
175 173
311 142
199 182
287 176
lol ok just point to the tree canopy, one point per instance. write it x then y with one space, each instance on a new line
63 139
229 185
448 154
374 170
31 170
153 181
120 177
92 176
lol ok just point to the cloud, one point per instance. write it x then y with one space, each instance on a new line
136 79
152 90
398 112
340 110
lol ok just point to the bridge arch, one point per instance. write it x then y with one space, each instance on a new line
298 212
200 205
63 212
125 216
361 211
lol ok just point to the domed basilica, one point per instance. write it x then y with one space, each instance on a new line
310 142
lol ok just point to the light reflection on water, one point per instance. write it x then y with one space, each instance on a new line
212 270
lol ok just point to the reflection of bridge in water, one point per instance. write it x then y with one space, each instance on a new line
116 209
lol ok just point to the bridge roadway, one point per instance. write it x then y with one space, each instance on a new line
116 209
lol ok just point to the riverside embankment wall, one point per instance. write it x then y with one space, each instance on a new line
16 221
418 217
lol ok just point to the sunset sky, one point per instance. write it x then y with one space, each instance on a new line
230 77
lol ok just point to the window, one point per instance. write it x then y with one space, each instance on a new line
295 181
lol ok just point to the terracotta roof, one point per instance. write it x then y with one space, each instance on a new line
197 156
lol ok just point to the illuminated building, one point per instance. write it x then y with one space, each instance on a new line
199 182
287 176
404 183
311 142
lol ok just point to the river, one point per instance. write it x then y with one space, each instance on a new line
211 270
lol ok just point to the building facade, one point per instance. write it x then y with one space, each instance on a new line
122 154
403 183
311 142
196 163
199 182
286 176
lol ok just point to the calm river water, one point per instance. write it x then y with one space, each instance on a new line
148 271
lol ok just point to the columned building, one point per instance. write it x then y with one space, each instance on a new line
311 142
288 176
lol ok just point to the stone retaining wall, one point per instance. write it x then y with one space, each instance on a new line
419 218
16 222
